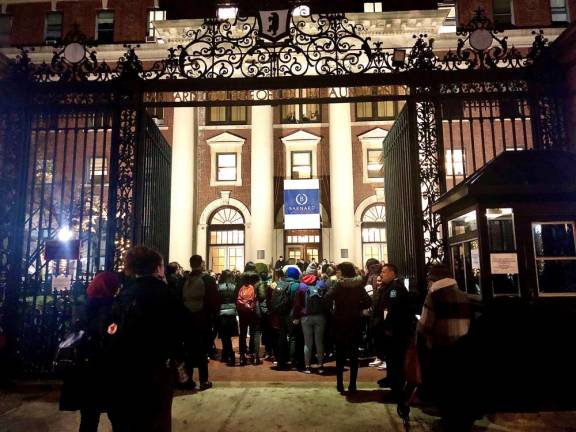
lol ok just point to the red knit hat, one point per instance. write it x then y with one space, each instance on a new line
104 285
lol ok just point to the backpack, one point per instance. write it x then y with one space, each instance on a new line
246 301
68 356
193 293
280 301
315 304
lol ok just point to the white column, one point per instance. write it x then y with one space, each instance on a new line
182 187
341 183
262 184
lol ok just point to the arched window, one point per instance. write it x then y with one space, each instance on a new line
226 240
374 233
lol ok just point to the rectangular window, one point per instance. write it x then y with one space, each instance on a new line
501 239
372 7
220 115
303 113
5 29
44 171
225 166
466 266
502 12
559 11
376 110
53 30
454 162
301 165
98 169
375 163
154 15
555 254
105 27
464 224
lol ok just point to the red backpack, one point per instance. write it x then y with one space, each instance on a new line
246 301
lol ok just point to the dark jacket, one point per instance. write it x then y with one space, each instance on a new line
210 312
395 300
349 299
300 304
86 387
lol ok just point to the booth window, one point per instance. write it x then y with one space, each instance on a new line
555 255
501 240
465 250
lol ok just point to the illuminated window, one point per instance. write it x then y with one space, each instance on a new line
53 30
376 110
301 165
227 115
105 27
226 240
154 15
372 7
375 163
98 169
226 166
300 113
455 162
374 233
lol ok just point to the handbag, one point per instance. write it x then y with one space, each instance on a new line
412 368
67 355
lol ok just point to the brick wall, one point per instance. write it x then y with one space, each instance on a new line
28 20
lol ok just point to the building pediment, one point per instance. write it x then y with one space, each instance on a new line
226 139
301 137
374 136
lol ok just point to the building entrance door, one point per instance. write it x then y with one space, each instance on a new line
295 253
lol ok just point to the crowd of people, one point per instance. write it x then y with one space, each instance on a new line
146 331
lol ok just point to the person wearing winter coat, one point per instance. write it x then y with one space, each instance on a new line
146 334
443 326
310 311
227 322
349 300
86 388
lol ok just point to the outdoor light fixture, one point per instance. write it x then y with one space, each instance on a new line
227 12
301 10
64 234
398 57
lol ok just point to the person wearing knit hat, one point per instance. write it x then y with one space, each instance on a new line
85 388
312 267
104 285
292 272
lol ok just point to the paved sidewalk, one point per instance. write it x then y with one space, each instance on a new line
267 406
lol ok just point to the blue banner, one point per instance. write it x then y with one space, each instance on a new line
301 201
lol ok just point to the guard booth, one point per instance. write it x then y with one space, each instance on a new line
512 248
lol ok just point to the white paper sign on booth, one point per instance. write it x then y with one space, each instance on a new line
504 263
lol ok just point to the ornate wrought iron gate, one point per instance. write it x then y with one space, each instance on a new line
81 174
78 153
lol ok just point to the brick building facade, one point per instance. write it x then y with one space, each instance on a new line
235 210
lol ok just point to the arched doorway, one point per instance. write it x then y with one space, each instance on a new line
226 239
374 233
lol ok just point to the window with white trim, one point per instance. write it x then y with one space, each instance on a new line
105 26
301 163
502 12
154 15
454 162
372 7
375 163
53 27
555 256
226 167
559 11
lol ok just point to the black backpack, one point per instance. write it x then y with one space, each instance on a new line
315 302
280 301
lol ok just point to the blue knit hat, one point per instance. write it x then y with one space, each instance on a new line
292 272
